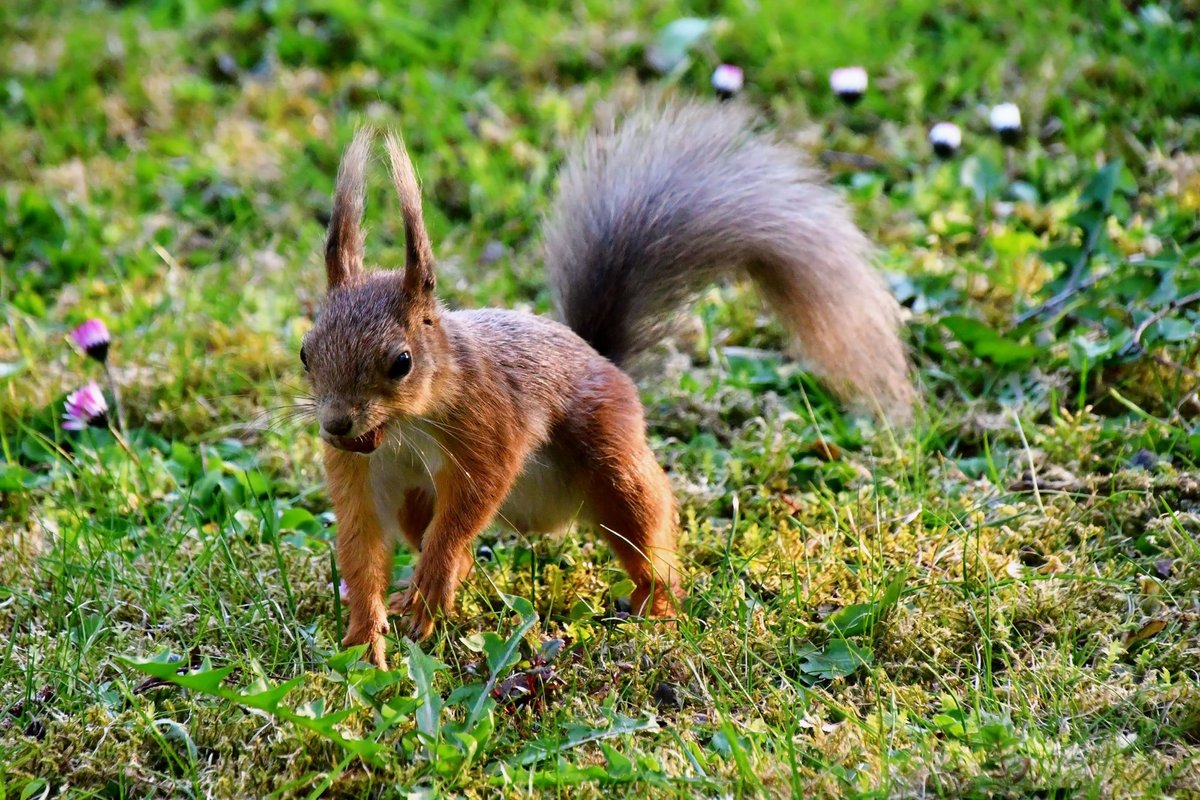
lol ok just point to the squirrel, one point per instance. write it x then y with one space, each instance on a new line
434 422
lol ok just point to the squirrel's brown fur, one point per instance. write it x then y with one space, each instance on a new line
435 422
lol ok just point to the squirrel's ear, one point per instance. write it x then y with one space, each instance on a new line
418 268
343 242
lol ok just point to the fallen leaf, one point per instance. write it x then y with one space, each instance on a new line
523 687
1147 631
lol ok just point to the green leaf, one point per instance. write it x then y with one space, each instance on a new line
175 731
207 681
982 176
986 343
1175 329
496 651
36 788
520 606
267 698
310 716
397 709
619 765
9 369
501 654
564 773
421 670
727 742
669 51
298 519
891 595
950 725
347 659
254 482
1100 188
622 588
1083 350
839 659
14 477
1066 254
577 734
1087 218
581 609
852 620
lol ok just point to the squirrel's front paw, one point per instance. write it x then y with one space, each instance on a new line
416 612
428 594
657 601
370 633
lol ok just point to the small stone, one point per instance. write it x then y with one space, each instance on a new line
1143 459
227 65
35 729
667 696
493 251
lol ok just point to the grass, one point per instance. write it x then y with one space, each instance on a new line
999 603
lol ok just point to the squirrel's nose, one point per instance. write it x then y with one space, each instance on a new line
338 426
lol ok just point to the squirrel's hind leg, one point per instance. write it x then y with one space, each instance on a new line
632 506
629 497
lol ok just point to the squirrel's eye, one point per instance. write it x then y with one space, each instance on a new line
401 366
303 358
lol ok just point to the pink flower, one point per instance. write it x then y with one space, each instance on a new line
727 80
85 406
849 84
1006 121
946 138
92 337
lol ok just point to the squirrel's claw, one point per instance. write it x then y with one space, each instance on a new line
372 635
418 605
416 615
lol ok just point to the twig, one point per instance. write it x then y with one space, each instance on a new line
856 160
1136 343
1037 494
1074 285
1157 316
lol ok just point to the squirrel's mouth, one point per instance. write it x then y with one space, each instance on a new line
367 443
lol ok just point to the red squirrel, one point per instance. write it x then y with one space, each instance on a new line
435 422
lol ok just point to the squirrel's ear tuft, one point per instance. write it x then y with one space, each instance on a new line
343 242
418 269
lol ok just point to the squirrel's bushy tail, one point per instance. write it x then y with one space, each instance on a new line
678 196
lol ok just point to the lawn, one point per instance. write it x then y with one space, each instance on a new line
1002 601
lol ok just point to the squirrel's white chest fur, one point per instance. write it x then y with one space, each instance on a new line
541 500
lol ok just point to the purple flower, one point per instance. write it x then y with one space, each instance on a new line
727 80
92 338
85 406
849 84
344 591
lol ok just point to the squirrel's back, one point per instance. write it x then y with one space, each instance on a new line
682 195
